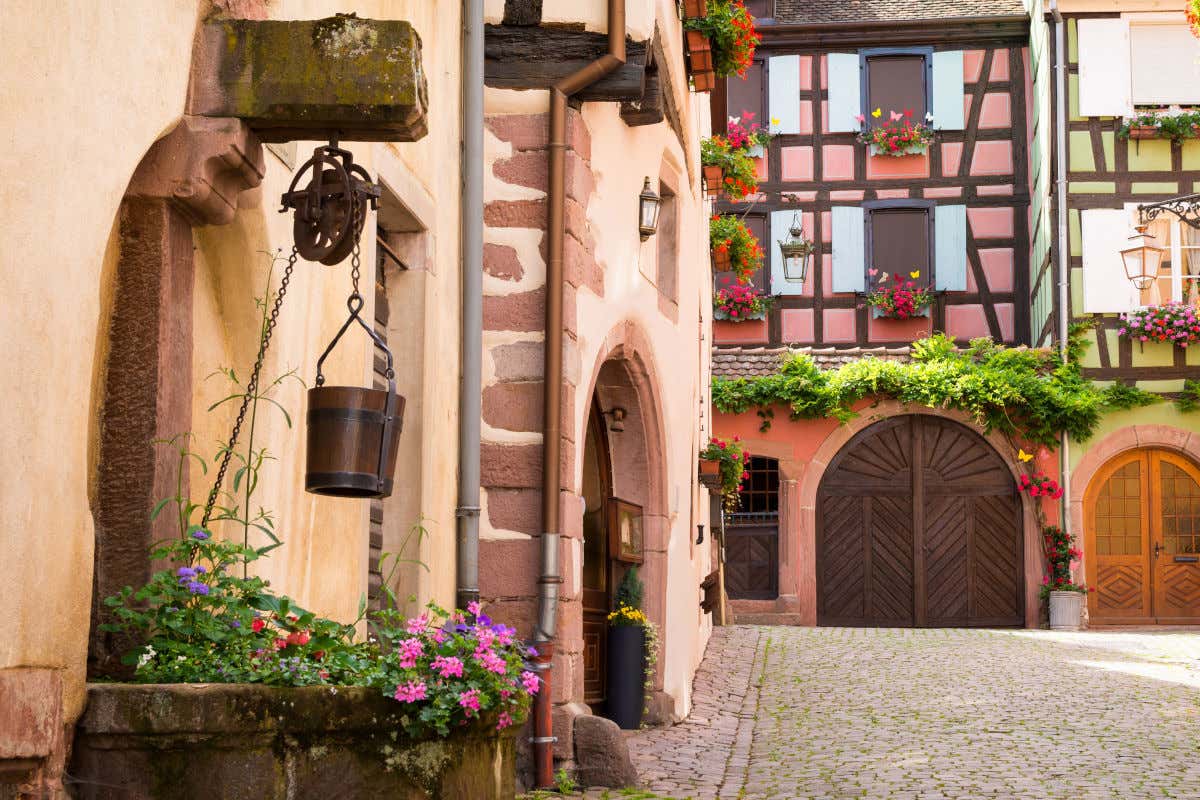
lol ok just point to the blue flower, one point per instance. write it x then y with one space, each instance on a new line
201 534
200 570
235 624
186 572
196 587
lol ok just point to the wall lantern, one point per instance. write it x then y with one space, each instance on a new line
797 252
648 205
1142 258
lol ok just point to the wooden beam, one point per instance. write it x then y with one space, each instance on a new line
520 57
649 109
978 31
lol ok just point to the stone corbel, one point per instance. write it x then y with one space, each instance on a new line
200 168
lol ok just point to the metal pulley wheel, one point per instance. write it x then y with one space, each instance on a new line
332 206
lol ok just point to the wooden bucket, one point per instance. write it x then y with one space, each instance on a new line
353 435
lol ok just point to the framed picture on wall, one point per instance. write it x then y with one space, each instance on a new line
625 531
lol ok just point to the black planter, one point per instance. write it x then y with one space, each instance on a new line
626 675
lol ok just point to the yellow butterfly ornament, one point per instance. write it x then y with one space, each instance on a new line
915 274
1021 454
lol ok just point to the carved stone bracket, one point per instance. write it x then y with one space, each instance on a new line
201 167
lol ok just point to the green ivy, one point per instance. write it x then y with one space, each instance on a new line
1189 399
1018 391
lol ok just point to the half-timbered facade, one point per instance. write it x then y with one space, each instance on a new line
899 518
1135 487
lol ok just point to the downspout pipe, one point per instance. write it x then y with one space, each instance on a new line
1064 253
470 389
548 577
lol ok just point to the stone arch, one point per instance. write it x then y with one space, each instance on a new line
624 375
802 561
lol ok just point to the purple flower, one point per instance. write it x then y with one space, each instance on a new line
186 572
196 587
235 624
200 570
201 534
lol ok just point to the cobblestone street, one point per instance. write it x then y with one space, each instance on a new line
790 713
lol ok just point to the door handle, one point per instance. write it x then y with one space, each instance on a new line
1158 548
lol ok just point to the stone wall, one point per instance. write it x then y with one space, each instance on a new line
240 742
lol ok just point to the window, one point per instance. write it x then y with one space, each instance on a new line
899 237
746 94
896 81
1164 60
1179 272
667 241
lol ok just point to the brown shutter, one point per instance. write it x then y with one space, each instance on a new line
896 83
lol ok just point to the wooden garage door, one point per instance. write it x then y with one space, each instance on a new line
919 524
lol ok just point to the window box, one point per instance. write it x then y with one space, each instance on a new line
714 178
694 9
881 313
912 149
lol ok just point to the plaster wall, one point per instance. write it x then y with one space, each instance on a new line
81 115
613 309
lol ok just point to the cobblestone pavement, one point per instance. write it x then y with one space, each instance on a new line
791 713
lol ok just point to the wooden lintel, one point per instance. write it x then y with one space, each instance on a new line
520 57
825 36
649 109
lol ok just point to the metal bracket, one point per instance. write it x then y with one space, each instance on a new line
1187 208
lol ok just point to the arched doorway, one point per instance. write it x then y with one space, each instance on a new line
1142 537
919 524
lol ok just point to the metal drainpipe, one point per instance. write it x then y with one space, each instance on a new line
549 579
470 390
1064 255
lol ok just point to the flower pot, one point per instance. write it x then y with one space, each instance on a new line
724 316
879 313
626 675
353 436
907 150
695 9
704 81
721 260
1066 611
714 179
1143 132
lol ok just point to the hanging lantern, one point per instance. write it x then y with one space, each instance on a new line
649 204
1142 259
353 431
797 252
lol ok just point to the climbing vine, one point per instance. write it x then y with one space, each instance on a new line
1031 393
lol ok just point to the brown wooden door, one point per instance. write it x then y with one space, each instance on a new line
919 523
752 561
1142 537
597 573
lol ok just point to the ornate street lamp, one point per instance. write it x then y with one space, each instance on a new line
649 204
797 252
1142 258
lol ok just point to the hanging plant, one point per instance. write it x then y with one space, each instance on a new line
734 247
899 298
1174 123
741 302
1172 322
1061 553
731 463
899 136
1017 391
1039 484
730 29
728 168
1193 17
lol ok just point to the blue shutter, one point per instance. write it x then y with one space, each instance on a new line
948 90
783 93
849 254
781 221
845 93
950 248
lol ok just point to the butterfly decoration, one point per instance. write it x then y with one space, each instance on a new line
877 113
1021 454
915 274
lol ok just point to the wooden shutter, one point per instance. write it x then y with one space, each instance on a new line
845 91
1104 68
784 92
948 90
950 248
1105 233
849 255
781 221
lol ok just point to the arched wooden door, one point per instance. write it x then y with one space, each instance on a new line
919 524
1141 520
597 585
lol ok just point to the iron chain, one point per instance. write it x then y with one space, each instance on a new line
251 387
